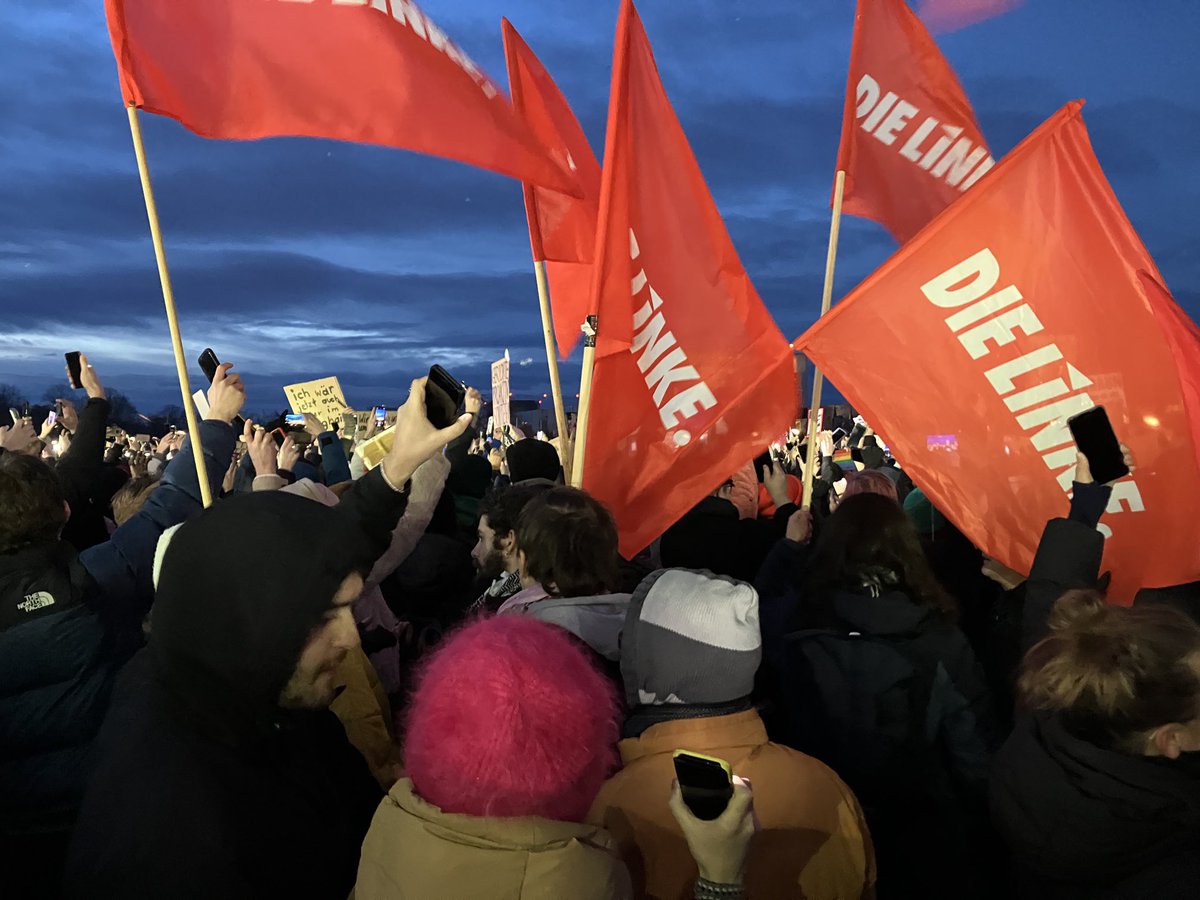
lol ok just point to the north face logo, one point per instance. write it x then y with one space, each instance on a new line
32 602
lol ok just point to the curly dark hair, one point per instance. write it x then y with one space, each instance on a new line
31 503
570 543
503 506
867 540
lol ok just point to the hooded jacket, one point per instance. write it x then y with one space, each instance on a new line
1086 822
206 787
414 851
813 840
690 649
68 622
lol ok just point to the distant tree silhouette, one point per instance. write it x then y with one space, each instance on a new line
10 396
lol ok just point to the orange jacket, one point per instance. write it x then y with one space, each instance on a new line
813 842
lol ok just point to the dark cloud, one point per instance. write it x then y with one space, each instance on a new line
313 257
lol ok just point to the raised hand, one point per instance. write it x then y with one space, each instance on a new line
261 447
69 417
226 396
775 481
1083 469
473 402
89 379
288 455
18 437
415 439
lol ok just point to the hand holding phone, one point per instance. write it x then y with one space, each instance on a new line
720 845
74 369
209 364
443 396
1096 440
706 783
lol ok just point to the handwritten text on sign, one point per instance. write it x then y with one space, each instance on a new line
500 392
323 398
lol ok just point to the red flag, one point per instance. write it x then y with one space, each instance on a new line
1183 339
351 70
950 15
910 144
562 229
1014 310
693 378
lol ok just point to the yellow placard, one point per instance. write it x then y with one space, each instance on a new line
377 448
323 398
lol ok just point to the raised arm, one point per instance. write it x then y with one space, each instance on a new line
123 567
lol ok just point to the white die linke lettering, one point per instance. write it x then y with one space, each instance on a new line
662 361
1040 387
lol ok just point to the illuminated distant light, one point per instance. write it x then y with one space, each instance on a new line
544 396
792 346
1152 421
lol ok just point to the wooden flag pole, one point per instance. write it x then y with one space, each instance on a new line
835 227
585 399
560 413
164 277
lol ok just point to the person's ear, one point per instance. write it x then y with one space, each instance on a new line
506 542
522 564
1167 741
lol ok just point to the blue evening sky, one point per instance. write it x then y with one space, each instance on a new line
301 258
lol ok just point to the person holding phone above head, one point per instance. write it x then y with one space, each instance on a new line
1097 790
220 770
69 621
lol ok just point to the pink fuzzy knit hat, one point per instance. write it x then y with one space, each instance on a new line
511 718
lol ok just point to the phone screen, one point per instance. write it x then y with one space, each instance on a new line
443 396
761 462
293 419
380 414
52 418
74 369
1095 438
705 784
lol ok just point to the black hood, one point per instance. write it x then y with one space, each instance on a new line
1080 814
241 588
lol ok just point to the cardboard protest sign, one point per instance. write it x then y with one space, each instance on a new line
323 398
501 411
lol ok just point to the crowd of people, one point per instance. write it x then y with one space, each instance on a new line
436 677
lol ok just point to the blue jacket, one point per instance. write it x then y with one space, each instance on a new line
67 623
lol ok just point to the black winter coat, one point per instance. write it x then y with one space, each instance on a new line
67 623
206 787
1086 823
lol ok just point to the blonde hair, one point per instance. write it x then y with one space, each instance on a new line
1114 673
132 497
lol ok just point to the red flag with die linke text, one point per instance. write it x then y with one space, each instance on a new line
692 376
371 71
1022 305
910 144
562 229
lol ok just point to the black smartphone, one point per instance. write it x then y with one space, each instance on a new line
74 370
839 435
761 462
443 396
705 782
209 364
380 415
1095 438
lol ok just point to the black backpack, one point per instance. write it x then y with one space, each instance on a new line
863 705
